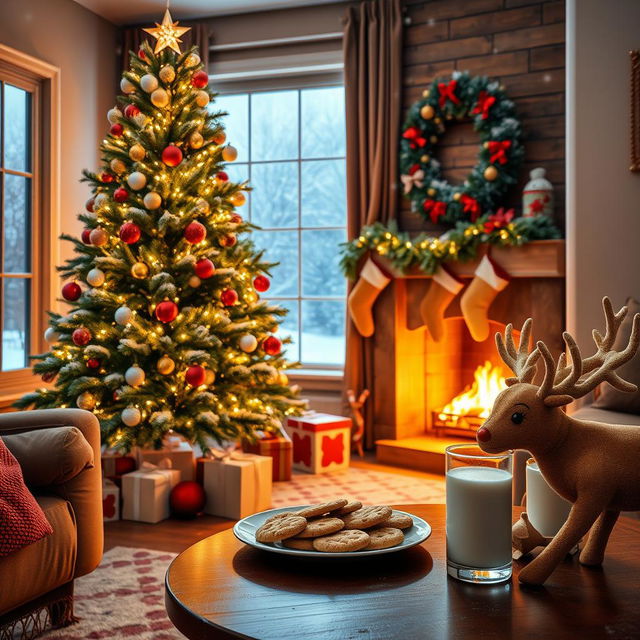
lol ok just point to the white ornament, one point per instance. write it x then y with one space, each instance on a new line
86 401
248 343
131 416
134 376
152 200
202 98
127 86
229 154
137 152
122 315
100 200
51 335
140 119
167 74
160 98
194 282
137 180
113 115
117 166
165 365
202 205
95 277
193 60
149 82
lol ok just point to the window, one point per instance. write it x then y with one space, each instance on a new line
291 147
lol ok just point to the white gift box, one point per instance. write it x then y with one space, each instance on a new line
146 493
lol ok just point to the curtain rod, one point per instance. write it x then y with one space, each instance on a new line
276 42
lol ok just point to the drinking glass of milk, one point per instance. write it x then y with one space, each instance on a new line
547 510
478 514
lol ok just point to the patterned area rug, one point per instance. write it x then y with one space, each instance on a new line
122 598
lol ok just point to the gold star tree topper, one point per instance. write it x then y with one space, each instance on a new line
167 34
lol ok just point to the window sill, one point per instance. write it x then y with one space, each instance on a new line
327 380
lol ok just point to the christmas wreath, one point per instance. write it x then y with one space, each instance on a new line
460 97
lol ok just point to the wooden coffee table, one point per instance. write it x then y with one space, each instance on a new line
220 588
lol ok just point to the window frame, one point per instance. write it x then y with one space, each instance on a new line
322 374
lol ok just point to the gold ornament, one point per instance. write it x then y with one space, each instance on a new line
209 377
194 282
425 158
438 120
284 380
139 270
431 191
193 60
167 34
220 137
86 401
99 237
427 112
202 98
425 93
167 74
152 200
485 145
490 173
137 153
456 196
117 166
160 98
238 199
165 365
433 139
229 154
196 140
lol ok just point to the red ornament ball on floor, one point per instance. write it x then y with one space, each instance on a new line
195 232
71 291
86 233
195 375
223 176
131 110
116 130
93 363
106 177
261 283
167 311
130 233
120 194
187 499
204 268
172 156
228 297
81 337
200 79
272 346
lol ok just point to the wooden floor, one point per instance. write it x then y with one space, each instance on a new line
176 535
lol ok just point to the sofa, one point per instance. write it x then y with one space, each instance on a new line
59 454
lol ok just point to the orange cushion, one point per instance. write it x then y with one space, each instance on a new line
22 521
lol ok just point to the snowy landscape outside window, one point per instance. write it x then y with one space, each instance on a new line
291 147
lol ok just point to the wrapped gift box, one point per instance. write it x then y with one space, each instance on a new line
110 501
278 448
178 451
237 485
116 464
145 493
321 442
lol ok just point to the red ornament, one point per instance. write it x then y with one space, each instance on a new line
93 363
107 177
167 311
195 375
85 236
228 297
272 346
120 194
71 291
141 54
187 499
50 376
130 233
204 268
89 204
236 218
172 156
131 110
195 232
116 130
223 176
81 337
261 283
228 240
200 79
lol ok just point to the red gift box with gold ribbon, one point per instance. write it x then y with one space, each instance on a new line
280 448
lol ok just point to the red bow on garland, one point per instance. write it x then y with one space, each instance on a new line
485 102
499 219
497 150
447 91
435 209
470 206
413 135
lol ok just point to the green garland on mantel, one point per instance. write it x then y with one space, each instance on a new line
458 244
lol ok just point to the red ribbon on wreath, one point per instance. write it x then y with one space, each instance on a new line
470 205
447 91
485 102
497 151
435 208
415 139
499 219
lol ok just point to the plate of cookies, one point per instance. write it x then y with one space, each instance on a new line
337 528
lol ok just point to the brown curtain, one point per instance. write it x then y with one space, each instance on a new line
132 38
373 81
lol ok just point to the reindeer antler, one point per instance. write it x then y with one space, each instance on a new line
519 360
563 383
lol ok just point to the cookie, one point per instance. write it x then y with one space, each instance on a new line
384 538
398 521
341 542
280 526
303 544
321 527
321 509
366 517
351 506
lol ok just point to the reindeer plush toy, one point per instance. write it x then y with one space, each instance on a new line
593 465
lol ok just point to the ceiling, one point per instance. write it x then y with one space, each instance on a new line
135 11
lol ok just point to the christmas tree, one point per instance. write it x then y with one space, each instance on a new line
166 329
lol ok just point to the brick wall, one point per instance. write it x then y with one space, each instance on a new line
519 42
